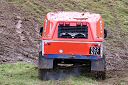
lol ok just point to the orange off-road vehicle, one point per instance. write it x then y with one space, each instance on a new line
72 37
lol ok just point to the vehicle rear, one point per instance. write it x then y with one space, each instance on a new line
72 38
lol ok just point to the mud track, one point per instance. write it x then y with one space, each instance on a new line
19 41
18 34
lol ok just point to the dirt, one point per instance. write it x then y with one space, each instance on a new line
18 34
19 41
116 50
115 78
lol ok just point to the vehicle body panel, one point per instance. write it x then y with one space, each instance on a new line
52 45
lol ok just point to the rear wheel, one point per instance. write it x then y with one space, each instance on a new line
98 68
45 66
47 74
42 74
100 75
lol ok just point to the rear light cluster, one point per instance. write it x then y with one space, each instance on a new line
95 50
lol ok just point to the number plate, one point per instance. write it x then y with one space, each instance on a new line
95 51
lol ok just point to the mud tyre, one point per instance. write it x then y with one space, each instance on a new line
100 75
44 74
100 71
45 67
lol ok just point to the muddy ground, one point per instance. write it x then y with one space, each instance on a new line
18 34
19 42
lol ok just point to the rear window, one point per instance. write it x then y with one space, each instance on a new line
74 32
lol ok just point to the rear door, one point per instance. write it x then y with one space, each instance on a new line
67 47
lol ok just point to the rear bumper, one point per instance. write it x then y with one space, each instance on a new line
58 56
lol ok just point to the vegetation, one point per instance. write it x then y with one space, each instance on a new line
114 12
27 74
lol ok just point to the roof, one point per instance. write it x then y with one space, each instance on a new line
73 16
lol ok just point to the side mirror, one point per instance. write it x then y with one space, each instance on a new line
105 33
41 31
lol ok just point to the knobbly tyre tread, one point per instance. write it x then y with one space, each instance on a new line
41 74
101 75
44 74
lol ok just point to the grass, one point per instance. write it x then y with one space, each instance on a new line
27 74
104 7
18 74
114 13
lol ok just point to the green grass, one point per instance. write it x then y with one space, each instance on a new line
27 74
115 13
18 74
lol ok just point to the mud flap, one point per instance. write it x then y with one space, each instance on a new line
44 63
98 65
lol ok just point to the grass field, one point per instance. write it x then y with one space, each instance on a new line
115 15
111 10
27 74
